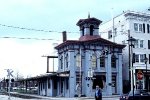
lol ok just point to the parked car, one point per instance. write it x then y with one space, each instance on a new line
138 95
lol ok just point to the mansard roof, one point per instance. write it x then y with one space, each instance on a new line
89 20
137 14
99 40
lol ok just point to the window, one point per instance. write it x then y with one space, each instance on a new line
61 62
115 32
138 43
93 61
113 81
110 34
122 28
139 27
91 29
83 31
66 60
102 61
78 78
148 44
139 58
78 60
141 43
113 61
142 57
135 27
136 58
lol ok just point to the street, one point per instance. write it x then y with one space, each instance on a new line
4 97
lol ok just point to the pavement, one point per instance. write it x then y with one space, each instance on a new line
37 97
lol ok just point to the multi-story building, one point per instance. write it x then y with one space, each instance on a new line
89 61
82 64
120 29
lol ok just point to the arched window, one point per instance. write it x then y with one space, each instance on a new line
93 61
78 60
102 61
91 29
113 61
66 60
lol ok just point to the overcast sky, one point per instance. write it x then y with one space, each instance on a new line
24 55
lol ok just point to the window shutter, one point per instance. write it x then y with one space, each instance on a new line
147 28
149 58
148 44
144 28
133 58
144 56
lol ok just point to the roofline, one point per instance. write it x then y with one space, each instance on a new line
86 41
125 12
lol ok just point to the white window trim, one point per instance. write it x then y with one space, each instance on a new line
139 58
138 27
139 44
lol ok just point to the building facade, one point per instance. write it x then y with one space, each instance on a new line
89 61
119 30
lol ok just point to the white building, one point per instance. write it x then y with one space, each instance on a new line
136 25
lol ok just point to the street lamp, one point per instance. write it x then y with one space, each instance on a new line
131 42
146 59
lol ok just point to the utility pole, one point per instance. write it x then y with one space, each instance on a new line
9 71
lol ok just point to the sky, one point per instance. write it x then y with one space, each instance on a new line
30 28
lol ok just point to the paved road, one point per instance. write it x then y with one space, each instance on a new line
4 97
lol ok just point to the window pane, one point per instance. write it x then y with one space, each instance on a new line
141 43
142 58
140 27
136 44
93 61
113 61
66 60
102 61
61 62
135 26
78 60
136 58
109 34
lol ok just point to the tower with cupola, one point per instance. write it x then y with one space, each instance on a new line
89 28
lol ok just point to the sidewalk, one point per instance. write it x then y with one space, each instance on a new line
38 97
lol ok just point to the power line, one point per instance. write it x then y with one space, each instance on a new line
23 38
32 29
29 29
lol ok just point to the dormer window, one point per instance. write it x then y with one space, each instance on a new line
91 29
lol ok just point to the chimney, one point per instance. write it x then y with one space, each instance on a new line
64 36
